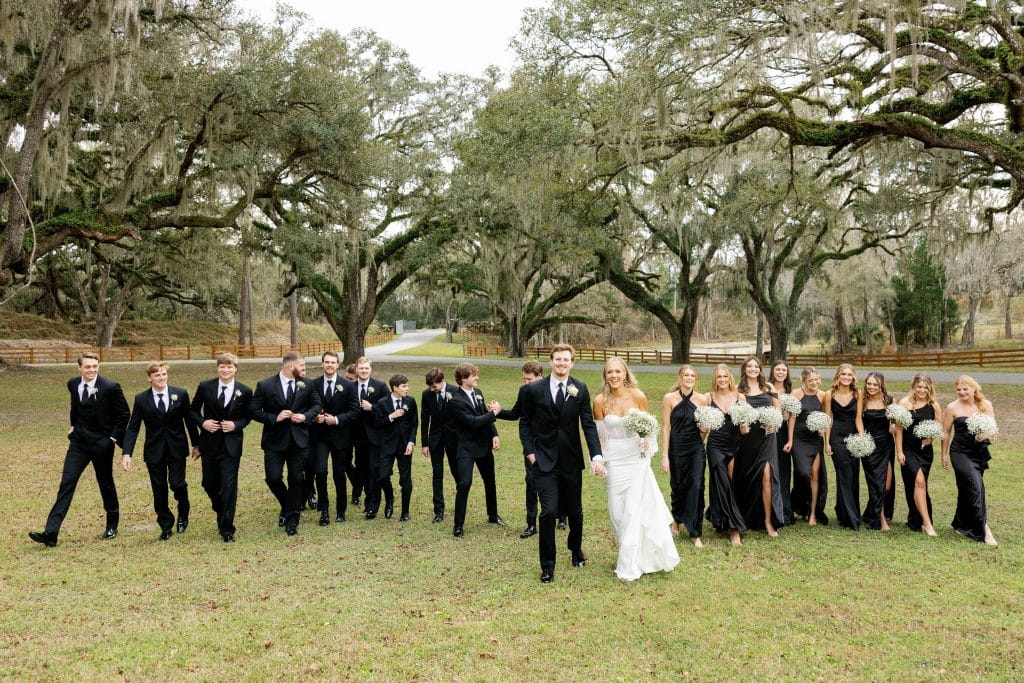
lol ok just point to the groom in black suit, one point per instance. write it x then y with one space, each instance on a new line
99 416
164 409
286 404
220 409
331 436
554 409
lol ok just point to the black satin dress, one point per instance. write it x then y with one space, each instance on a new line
686 459
807 446
916 458
723 512
876 465
847 467
782 476
757 450
970 460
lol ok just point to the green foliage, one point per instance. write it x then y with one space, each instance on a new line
921 309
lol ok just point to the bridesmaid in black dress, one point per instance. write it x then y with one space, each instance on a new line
783 474
915 456
723 512
760 503
970 457
683 457
872 419
810 484
841 405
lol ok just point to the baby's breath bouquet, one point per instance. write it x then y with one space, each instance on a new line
743 413
982 425
644 424
818 421
899 415
790 404
860 445
770 418
929 430
708 418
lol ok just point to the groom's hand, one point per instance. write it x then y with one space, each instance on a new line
597 468
532 459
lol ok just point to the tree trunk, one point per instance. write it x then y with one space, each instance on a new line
449 323
243 301
842 333
967 339
293 313
252 309
1007 318
778 333
759 342
515 342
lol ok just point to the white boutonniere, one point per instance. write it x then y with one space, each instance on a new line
238 393
479 398
448 395
93 391
369 390
572 391
174 397
301 385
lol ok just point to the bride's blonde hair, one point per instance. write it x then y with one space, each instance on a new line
629 381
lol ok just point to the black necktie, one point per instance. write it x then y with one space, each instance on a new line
160 403
362 392
560 396
224 395
85 391
398 404
291 391
329 392
440 398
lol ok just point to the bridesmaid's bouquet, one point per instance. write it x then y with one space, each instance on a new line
818 421
743 413
770 418
790 404
899 415
645 425
929 430
983 426
860 444
708 418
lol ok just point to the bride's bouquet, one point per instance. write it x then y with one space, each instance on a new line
899 415
708 418
860 444
929 430
790 404
983 426
770 418
646 427
743 413
818 421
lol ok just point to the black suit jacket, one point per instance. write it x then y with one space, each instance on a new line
269 400
553 435
167 433
517 410
436 423
207 406
102 416
474 424
376 391
343 405
395 436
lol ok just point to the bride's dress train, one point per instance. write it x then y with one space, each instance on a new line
640 518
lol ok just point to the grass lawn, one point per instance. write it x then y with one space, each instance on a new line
384 600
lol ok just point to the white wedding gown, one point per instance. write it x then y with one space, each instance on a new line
640 518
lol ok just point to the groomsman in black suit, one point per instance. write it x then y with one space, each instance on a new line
396 423
220 409
286 404
169 429
477 440
99 416
531 370
331 436
437 434
365 440
554 409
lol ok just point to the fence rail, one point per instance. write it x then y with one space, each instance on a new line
923 359
69 354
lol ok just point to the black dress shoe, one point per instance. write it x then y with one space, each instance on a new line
47 538
578 559
291 531
311 502
528 531
228 537
495 519
165 534
457 532
110 533
389 510
370 514
182 524
280 520
325 519
547 576
340 517
438 518
355 500
562 523
404 517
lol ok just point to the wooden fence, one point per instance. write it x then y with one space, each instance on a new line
68 354
913 359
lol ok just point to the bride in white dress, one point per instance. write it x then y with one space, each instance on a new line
640 518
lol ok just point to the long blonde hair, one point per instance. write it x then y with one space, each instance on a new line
979 398
629 381
728 371
678 386
853 384
919 378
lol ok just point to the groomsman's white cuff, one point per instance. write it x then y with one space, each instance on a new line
597 458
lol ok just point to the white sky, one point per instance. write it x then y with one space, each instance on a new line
439 35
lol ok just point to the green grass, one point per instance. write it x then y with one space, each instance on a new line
382 600
439 347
